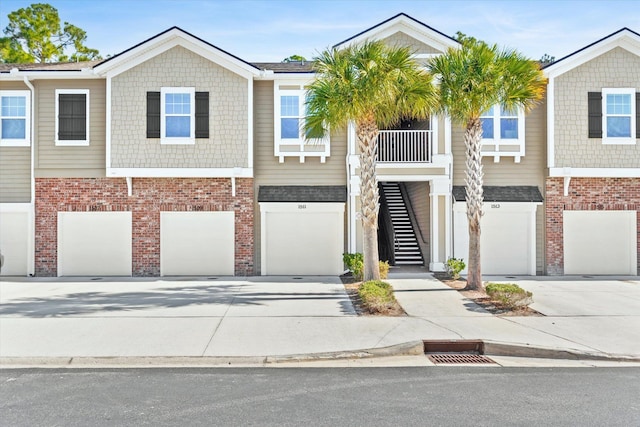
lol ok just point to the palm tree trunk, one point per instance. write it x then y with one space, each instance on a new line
367 135
473 180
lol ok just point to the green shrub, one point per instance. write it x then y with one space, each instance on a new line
454 266
508 295
355 264
377 296
384 269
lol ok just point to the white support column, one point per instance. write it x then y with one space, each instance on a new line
440 197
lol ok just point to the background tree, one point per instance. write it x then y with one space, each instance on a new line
34 34
372 86
294 58
473 79
547 59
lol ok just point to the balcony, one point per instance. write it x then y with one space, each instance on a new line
405 146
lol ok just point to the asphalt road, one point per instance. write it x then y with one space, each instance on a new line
321 397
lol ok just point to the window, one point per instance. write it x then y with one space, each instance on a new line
15 110
177 115
618 120
503 133
72 117
289 126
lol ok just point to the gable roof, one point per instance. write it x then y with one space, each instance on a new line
624 38
407 24
166 40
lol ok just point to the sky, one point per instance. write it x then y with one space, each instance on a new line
271 30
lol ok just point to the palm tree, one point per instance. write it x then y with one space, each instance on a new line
474 78
372 86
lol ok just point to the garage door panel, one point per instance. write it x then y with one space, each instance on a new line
305 243
600 242
504 243
197 243
14 242
94 243
507 239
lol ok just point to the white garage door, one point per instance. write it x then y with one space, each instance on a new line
302 238
197 243
600 242
507 239
14 242
94 243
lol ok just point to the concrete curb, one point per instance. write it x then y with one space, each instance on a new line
411 348
496 348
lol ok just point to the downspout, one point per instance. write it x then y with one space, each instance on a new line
32 223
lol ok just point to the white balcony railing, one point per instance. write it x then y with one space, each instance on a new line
404 146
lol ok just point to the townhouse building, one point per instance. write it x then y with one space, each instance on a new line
175 157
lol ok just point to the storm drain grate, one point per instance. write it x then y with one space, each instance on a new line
459 359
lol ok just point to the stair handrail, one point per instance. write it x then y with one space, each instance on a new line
412 218
385 215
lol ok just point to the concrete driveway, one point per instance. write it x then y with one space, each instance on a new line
602 312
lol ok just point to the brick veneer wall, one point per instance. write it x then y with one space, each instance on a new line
584 194
150 197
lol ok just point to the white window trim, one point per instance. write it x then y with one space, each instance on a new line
611 140
495 142
65 142
26 141
192 116
280 144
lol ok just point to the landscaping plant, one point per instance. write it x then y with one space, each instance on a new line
508 295
454 266
377 296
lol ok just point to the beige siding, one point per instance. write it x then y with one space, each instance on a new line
420 202
78 162
269 171
227 145
530 170
13 85
403 40
617 68
15 174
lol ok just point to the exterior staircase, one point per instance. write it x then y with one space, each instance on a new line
406 249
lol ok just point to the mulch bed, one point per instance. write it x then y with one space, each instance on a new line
351 286
483 300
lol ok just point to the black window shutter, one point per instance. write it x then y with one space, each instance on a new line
153 114
637 114
595 115
72 117
202 114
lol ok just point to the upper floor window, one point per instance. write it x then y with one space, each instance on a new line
72 117
619 116
503 133
290 111
177 115
15 111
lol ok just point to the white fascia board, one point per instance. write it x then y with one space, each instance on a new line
180 172
167 41
407 26
303 78
551 116
86 73
595 172
625 39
